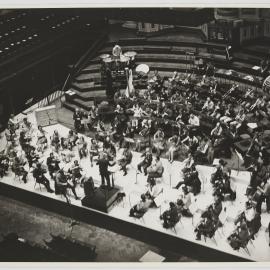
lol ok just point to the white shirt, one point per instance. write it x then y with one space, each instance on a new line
194 121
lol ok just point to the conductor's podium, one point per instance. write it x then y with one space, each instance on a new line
102 199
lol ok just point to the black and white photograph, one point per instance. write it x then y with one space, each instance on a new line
135 134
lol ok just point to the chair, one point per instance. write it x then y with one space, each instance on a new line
160 178
38 184
211 235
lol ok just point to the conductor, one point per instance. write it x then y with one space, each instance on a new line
103 164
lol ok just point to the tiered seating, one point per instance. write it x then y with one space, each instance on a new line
166 57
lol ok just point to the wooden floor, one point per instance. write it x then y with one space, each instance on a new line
134 187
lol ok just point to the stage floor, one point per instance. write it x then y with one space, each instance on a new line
134 186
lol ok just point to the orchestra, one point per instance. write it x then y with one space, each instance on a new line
169 119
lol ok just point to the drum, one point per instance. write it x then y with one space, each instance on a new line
104 56
123 61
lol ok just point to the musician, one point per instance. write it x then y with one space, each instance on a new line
125 160
188 163
93 151
100 131
202 150
239 237
158 143
217 131
62 183
239 119
146 162
208 106
154 190
170 217
55 140
103 164
109 147
155 170
82 147
38 174
77 117
92 116
192 142
117 51
137 113
193 121
265 196
223 186
191 179
18 168
32 157
75 171
52 164
72 138
229 114
4 165
41 139
217 111
140 208
25 141
174 143
207 225
26 125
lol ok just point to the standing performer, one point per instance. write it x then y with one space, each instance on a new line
103 164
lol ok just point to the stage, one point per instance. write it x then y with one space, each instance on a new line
149 228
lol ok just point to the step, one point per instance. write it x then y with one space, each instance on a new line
87 96
86 105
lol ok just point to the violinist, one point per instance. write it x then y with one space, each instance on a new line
4 165
41 139
62 183
18 168
82 147
75 171
53 164
32 157
55 140
125 160
159 143
206 226
39 175
174 143
146 162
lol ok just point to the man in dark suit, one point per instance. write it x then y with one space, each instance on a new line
103 164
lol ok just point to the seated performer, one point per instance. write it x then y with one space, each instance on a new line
140 208
38 174
41 139
18 168
174 143
192 142
202 150
146 162
52 164
32 157
62 183
159 143
154 190
75 171
170 217
207 225
82 147
55 140
93 151
72 139
191 180
240 236
4 165
125 160
155 170
25 142
26 125
188 162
